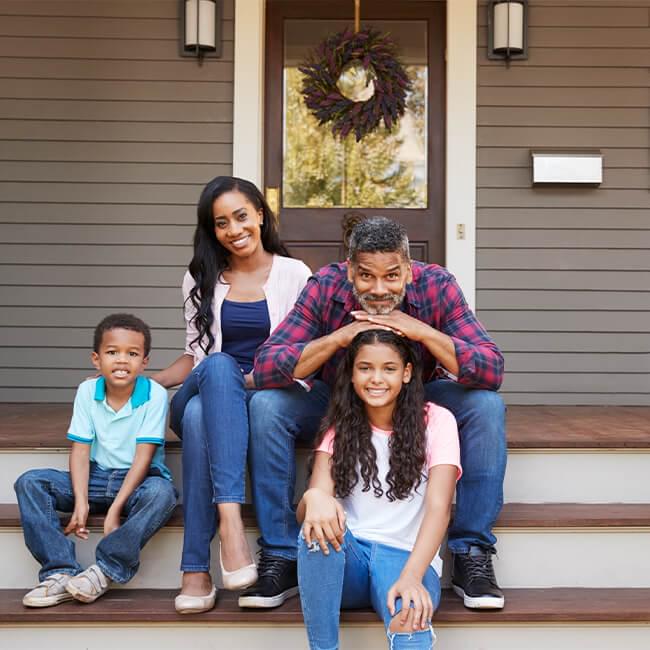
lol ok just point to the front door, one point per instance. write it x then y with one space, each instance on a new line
318 178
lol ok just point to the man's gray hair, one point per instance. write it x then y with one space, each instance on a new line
378 235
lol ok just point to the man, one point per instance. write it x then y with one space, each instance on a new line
378 286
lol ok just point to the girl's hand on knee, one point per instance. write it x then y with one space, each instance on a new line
324 520
411 590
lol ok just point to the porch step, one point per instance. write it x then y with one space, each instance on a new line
540 545
564 619
556 454
137 606
30 426
513 515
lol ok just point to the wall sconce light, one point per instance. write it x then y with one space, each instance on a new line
507 29
200 22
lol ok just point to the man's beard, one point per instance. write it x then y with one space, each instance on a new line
366 300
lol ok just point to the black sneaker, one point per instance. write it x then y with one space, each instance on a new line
473 579
277 580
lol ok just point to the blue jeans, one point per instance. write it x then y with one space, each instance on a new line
278 417
209 413
41 492
360 575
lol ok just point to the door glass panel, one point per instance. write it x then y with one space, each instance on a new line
384 170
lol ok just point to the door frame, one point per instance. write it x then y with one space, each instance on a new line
460 176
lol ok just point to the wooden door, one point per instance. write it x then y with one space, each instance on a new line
318 178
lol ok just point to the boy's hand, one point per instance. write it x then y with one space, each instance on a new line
324 520
77 523
112 520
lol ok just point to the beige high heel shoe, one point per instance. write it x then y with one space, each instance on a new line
185 604
239 578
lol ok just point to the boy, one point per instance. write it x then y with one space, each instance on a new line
116 467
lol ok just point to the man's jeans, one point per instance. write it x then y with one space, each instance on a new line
209 413
279 417
41 492
360 575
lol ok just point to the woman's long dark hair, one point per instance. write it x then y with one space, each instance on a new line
210 258
353 435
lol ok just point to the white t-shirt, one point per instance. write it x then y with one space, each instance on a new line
396 523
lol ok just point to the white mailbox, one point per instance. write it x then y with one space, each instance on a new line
577 167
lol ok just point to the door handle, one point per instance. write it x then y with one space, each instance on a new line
272 196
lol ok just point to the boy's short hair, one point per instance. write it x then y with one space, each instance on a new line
122 322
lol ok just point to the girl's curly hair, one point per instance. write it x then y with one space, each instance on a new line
353 451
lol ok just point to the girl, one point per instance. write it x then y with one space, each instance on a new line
240 284
392 463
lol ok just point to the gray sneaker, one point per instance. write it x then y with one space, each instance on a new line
89 585
50 592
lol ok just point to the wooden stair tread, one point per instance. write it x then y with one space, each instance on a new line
513 515
132 606
529 427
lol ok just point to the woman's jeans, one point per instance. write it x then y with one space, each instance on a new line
210 414
279 417
360 575
43 492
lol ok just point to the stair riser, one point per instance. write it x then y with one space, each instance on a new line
531 477
262 637
534 558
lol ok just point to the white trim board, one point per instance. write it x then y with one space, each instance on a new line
248 123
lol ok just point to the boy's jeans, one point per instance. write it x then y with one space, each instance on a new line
358 576
41 492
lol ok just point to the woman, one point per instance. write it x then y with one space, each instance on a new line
239 286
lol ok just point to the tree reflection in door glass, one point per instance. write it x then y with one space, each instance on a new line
384 170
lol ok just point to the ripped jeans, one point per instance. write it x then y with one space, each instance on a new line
358 576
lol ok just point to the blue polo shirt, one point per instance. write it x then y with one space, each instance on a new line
113 436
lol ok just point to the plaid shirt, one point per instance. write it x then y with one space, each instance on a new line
324 306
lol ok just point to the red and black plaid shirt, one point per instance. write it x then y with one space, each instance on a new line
324 306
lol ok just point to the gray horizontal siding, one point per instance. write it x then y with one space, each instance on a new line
563 274
106 138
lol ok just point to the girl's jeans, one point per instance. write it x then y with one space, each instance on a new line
41 492
210 413
359 575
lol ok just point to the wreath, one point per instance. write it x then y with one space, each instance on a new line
354 80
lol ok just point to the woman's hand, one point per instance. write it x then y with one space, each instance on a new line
411 590
324 520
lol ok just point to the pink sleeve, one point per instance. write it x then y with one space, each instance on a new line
443 447
327 444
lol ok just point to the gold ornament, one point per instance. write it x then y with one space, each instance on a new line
357 83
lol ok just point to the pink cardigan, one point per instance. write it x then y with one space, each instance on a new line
283 286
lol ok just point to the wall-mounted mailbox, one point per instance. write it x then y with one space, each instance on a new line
568 167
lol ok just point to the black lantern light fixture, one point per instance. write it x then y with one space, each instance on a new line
507 29
200 23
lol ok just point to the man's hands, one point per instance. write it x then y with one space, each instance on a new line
410 588
345 334
397 321
77 523
324 520
440 345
